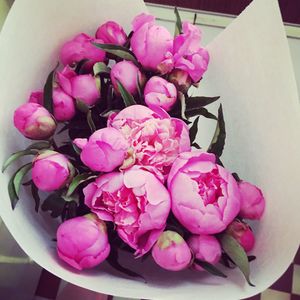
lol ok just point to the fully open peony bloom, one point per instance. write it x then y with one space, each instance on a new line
155 137
111 33
82 242
136 201
205 196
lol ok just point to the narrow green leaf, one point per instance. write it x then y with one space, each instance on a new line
12 193
210 268
55 204
76 149
194 129
218 142
195 19
64 128
81 106
178 24
196 102
107 112
15 156
200 111
36 196
127 97
196 145
116 50
39 145
79 179
48 91
19 175
237 254
100 67
90 121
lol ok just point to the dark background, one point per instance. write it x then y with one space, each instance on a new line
290 8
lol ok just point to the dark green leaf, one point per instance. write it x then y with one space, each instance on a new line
196 102
90 121
106 113
36 196
119 51
48 91
127 97
195 19
194 129
64 128
251 258
210 268
236 177
196 145
99 68
39 145
237 254
19 175
12 193
79 179
178 24
199 111
127 44
76 149
16 156
55 204
218 142
81 106
79 66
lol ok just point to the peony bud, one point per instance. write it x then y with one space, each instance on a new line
181 80
242 233
82 242
171 252
34 121
51 171
36 97
111 33
63 105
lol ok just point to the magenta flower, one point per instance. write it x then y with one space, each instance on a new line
51 171
171 252
105 150
252 201
34 121
205 196
82 242
111 33
36 97
136 201
154 136
160 92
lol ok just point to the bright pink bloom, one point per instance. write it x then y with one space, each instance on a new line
111 33
79 48
205 196
150 43
82 242
34 121
242 233
136 201
105 150
252 201
63 105
51 171
36 97
160 92
171 252
154 136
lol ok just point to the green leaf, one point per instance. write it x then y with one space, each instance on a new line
178 24
15 156
127 97
55 204
196 145
237 254
79 66
196 102
210 268
90 121
76 149
81 106
19 175
79 179
194 129
200 111
218 142
107 112
12 193
39 145
116 50
182 105
100 67
64 128
48 91
36 196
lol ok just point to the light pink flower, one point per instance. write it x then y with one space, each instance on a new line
136 201
205 196
205 248
160 92
82 242
111 33
252 201
171 252
105 150
154 136
79 48
150 43
81 87
51 171
242 233
181 79
34 121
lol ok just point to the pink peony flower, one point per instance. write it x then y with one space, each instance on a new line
150 43
154 136
205 248
51 171
34 121
171 252
127 73
188 55
111 33
242 233
205 196
79 48
160 92
82 242
181 79
36 97
104 151
81 87
252 201
136 201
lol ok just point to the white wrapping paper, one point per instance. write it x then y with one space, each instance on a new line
250 69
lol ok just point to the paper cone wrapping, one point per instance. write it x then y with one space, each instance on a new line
250 69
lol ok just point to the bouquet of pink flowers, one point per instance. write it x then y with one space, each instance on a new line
118 158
